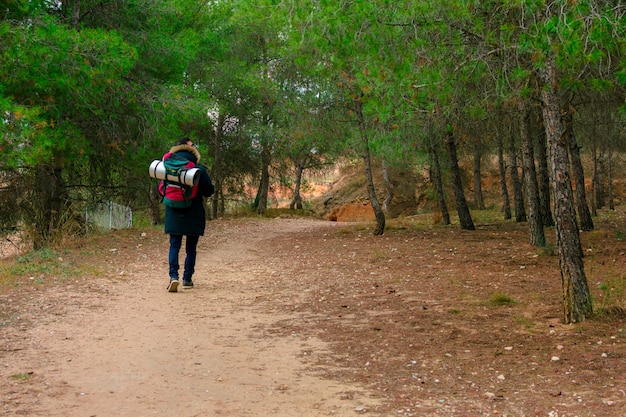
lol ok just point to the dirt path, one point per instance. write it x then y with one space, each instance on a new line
126 347
300 317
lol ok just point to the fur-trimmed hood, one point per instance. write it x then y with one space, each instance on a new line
187 148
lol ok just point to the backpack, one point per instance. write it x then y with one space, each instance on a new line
176 193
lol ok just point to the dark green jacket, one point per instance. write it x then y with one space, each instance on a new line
190 221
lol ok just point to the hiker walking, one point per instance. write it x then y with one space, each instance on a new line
188 222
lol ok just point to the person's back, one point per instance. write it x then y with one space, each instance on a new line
188 222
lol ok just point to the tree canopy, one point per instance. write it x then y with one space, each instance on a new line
91 92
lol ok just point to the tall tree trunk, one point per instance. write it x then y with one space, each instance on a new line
594 177
369 178
584 216
506 202
597 181
544 180
535 222
154 199
388 186
296 201
222 208
459 195
217 199
436 177
518 193
266 159
577 304
600 202
478 184
47 204
217 167
609 171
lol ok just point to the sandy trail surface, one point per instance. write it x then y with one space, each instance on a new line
121 345
302 317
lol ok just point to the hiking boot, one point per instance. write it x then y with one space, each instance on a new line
187 285
173 286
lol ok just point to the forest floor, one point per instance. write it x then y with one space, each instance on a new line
304 317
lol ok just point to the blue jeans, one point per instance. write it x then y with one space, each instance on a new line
176 241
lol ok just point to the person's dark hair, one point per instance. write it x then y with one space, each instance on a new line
182 141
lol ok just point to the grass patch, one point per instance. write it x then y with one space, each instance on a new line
524 321
22 376
39 265
500 299
354 228
379 255
141 219
613 292
548 250
416 222
344 231
490 215
611 313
